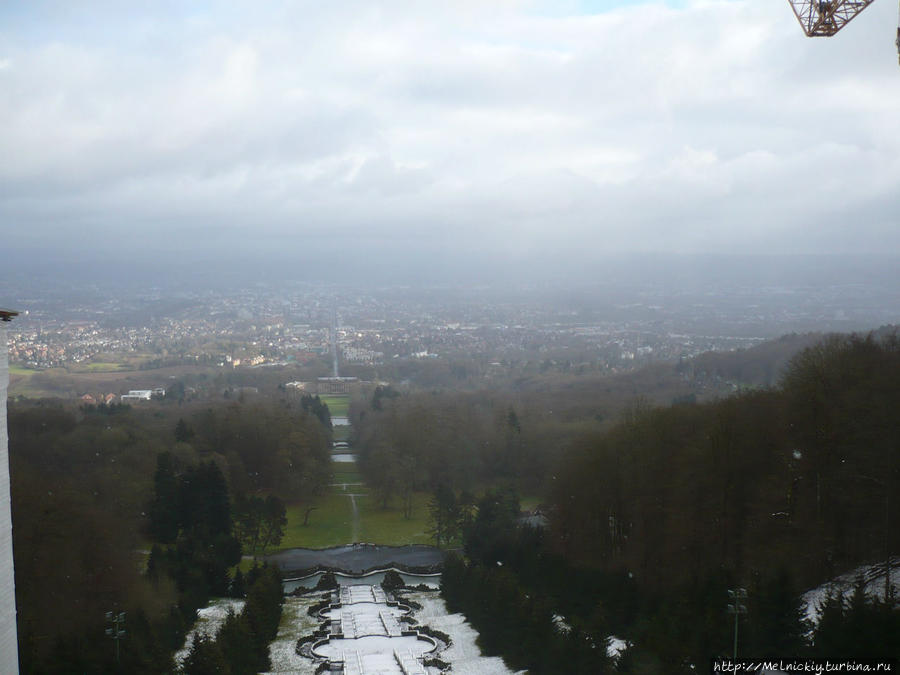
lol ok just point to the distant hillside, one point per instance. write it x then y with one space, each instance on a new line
760 366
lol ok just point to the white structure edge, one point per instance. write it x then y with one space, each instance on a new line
9 649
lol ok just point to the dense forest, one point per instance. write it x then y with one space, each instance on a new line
145 511
655 517
797 476
420 438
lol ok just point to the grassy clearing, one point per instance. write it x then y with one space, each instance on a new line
331 524
347 476
20 383
341 433
389 527
350 488
23 387
338 406
246 564
104 367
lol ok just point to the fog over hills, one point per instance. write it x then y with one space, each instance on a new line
414 268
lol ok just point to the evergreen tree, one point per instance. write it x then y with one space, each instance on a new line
828 639
163 511
237 645
237 589
183 432
205 658
776 621
204 508
444 515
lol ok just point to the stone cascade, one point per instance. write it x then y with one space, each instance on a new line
367 637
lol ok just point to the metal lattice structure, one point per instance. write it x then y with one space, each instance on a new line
826 17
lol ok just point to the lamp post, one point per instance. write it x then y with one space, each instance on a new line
116 619
737 608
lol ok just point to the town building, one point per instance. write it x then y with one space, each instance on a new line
137 395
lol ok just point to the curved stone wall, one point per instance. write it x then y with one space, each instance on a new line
367 636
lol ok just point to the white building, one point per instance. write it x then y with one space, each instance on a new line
137 395
9 649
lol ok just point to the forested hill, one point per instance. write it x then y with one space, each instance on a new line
793 476
655 518
707 376
760 366
411 439
796 477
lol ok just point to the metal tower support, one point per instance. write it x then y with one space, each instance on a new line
898 36
826 17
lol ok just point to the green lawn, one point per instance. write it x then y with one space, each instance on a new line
350 475
331 524
104 367
246 564
338 406
341 433
388 526
21 384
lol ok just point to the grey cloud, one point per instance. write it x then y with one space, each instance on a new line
716 127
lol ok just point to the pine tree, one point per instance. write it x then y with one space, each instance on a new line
777 625
237 645
163 511
237 589
828 639
205 658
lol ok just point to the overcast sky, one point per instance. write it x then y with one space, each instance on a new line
524 130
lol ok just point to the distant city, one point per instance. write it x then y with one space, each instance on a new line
611 328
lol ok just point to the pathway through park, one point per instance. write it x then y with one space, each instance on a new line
355 533
343 457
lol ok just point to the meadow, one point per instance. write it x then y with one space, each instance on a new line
338 406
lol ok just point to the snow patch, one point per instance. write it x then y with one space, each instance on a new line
209 621
615 646
295 623
873 576
463 654
561 624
